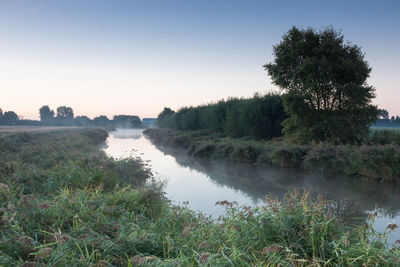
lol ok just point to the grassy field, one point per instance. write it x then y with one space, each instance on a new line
385 128
64 203
14 129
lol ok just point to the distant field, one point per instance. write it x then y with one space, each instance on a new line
385 128
5 129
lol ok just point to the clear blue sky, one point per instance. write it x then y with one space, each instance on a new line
135 57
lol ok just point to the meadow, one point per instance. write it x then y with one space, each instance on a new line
64 202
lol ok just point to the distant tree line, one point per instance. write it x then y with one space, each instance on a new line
384 120
8 117
64 116
259 117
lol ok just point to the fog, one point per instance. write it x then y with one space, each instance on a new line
202 183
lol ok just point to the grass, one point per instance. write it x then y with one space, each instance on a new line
64 203
396 129
384 135
379 159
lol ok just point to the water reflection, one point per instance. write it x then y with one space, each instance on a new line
202 183
350 199
127 134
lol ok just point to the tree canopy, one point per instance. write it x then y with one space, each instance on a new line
101 120
46 114
324 81
383 114
127 121
64 112
82 120
259 117
9 117
165 112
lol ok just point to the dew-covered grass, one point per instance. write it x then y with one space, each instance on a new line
64 203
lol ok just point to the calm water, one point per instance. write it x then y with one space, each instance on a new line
203 183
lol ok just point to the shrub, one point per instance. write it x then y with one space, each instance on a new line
258 117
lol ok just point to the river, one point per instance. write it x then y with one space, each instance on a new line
203 183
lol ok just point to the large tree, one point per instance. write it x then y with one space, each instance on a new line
46 114
101 120
64 112
127 121
383 114
324 81
165 118
9 117
165 112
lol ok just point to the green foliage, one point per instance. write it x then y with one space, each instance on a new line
101 120
234 117
263 116
63 203
126 121
65 117
163 117
82 121
46 114
64 112
259 117
9 118
384 136
383 114
39 162
380 160
326 97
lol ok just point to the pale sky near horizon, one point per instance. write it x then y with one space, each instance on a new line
106 57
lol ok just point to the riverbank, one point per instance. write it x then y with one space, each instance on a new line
377 162
22 128
63 202
13 129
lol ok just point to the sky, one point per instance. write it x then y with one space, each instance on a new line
110 57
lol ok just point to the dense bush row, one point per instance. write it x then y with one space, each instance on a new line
259 117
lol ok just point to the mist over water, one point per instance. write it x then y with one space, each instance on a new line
203 183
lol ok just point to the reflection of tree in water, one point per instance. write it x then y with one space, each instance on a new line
126 135
122 134
350 199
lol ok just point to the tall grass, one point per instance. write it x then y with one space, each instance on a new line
384 136
64 203
375 161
